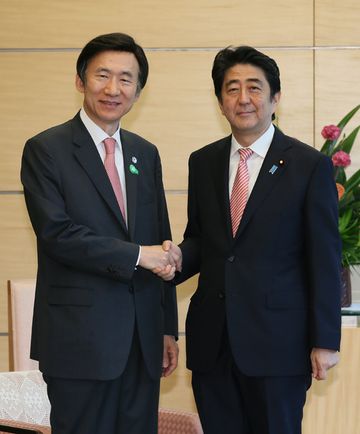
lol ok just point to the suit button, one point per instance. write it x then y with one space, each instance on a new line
231 258
221 295
131 289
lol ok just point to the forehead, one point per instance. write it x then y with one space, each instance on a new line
114 61
244 72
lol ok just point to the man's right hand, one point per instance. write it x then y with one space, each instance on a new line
155 257
168 273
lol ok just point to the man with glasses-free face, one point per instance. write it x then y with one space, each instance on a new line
104 325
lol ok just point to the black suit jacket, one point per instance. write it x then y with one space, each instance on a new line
89 295
276 284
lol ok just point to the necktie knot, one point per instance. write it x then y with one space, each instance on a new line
109 145
245 153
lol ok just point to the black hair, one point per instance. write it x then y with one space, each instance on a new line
113 42
230 56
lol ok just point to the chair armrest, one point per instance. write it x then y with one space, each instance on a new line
10 426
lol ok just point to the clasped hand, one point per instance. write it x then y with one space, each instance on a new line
162 260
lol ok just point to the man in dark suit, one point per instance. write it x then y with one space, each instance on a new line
104 325
266 312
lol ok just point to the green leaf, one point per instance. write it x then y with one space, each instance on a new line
340 176
347 144
347 118
328 147
352 182
344 220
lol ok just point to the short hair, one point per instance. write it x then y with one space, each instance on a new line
230 56
113 42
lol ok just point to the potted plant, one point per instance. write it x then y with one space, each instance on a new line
338 146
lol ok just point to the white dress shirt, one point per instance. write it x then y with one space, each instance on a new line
254 162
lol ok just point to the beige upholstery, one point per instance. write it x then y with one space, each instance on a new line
24 403
20 310
178 422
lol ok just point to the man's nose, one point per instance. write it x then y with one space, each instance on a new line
113 87
244 97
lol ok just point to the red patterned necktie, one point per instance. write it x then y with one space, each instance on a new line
112 172
240 190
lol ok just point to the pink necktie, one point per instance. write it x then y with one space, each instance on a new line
240 190
112 172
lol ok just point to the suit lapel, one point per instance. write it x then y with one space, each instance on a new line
274 166
132 172
88 157
221 166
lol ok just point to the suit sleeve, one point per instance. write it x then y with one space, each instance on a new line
57 235
323 249
191 245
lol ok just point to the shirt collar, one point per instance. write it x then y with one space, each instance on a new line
260 146
97 134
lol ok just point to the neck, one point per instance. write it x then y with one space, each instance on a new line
247 140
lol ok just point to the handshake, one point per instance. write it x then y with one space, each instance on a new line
162 260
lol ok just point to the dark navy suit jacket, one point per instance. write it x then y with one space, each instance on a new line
88 294
276 285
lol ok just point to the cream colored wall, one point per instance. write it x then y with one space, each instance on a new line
315 42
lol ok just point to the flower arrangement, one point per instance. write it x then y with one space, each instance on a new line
338 146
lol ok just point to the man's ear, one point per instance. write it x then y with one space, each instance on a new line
276 99
79 84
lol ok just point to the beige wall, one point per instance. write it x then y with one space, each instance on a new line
316 44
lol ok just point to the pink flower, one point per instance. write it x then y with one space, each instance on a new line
331 132
341 159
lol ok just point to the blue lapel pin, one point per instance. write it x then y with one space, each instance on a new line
273 169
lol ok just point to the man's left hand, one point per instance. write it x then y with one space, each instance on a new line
170 357
321 361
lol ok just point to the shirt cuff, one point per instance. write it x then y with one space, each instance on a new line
138 259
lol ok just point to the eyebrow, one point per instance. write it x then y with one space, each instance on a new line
126 73
248 80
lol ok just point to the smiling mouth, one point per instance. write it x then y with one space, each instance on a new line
244 113
110 103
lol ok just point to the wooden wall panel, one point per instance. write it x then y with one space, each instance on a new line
337 91
42 23
177 205
295 113
337 23
38 92
17 248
